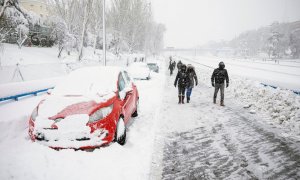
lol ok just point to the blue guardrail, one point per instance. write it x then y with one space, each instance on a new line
16 97
294 91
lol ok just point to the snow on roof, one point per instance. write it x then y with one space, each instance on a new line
89 81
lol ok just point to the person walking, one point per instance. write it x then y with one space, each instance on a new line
217 80
171 67
181 79
170 60
192 79
179 64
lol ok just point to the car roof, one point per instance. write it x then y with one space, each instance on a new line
112 71
100 79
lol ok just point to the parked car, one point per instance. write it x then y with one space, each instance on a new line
153 66
139 70
89 108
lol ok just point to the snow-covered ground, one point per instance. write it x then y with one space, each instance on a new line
202 140
256 135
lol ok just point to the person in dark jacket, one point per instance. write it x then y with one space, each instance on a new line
217 80
179 64
171 67
192 79
181 79
170 62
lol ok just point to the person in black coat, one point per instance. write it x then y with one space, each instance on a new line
179 64
171 67
217 80
182 80
192 80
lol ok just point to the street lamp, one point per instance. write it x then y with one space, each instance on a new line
104 33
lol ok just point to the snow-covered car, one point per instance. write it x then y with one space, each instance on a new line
153 66
89 108
139 70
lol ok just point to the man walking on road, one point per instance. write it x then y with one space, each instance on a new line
217 80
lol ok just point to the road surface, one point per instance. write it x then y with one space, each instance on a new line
202 140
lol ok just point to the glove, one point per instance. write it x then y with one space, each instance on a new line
175 85
213 84
227 84
196 84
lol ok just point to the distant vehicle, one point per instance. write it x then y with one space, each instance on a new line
88 109
153 66
139 70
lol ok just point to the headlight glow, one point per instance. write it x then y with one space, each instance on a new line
100 113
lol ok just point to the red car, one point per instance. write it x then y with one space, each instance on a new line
89 108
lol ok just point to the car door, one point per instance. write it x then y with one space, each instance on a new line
126 97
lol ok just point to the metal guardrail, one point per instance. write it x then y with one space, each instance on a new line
275 87
16 97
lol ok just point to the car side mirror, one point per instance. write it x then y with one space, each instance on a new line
49 91
128 90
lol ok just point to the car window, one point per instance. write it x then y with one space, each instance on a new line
121 82
127 76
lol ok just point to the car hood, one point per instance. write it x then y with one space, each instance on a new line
61 106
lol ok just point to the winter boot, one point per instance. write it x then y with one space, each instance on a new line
182 101
215 102
188 99
222 103
179 97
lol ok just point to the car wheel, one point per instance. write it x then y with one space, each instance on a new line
120 135
135 114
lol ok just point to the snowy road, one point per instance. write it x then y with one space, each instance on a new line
202 140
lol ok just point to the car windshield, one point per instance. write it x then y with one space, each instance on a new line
88 82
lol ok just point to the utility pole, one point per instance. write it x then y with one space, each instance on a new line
104 33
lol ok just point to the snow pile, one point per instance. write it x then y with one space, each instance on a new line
282 106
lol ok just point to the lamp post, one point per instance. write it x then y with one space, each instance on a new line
104 33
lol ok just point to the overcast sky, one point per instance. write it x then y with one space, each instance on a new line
195 22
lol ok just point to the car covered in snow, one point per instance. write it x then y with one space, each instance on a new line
139 70
89 108
153 66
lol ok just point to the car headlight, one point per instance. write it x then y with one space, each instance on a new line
34 114
100 113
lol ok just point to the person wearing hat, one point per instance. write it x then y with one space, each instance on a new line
218 81
181 79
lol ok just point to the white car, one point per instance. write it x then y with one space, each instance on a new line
139 70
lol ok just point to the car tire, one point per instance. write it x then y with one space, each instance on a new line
120 135
135 114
